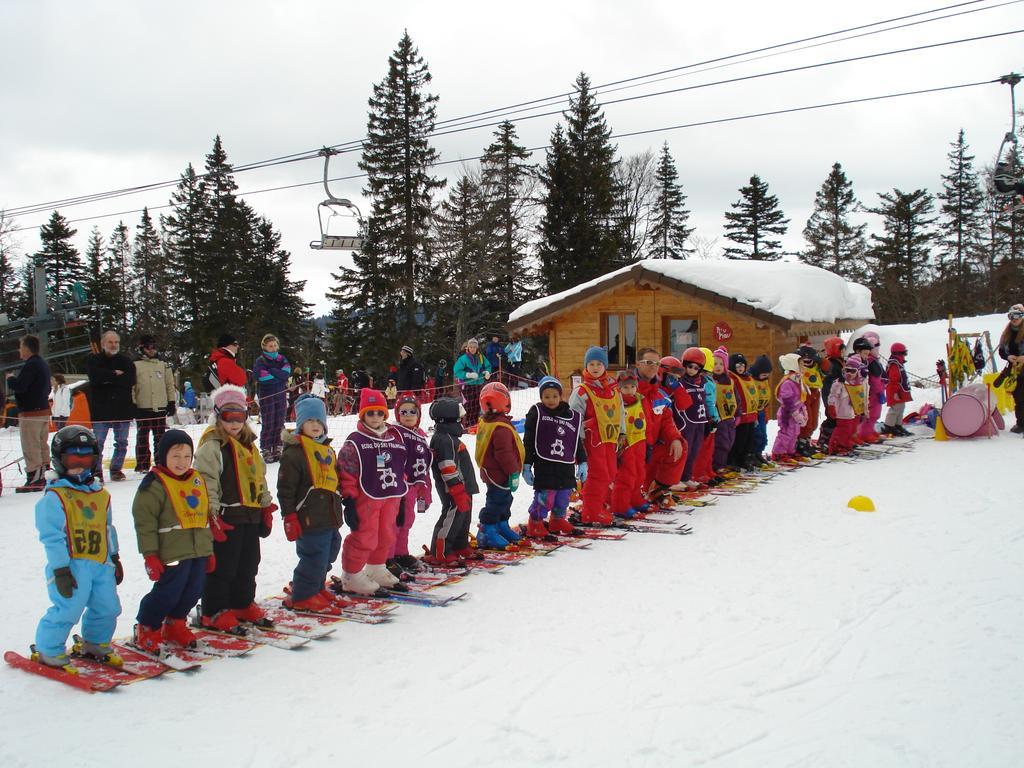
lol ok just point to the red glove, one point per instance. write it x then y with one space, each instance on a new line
292 527
219 528
462 501
118 569
830 411
154 567
268 520
211 563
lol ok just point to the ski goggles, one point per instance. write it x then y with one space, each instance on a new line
78 457
233 417
408 412
1015 315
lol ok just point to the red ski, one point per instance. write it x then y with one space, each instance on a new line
90 678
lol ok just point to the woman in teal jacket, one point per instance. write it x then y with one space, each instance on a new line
471 371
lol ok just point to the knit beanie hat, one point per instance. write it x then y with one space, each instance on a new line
309 408
267 338
548 382
736 359
371 400
409 399
790 363
761 365
171 438
445 409
407 349
226 340
596 353
722 354
229 398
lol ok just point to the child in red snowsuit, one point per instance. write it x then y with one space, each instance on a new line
627 495
897 391
372 471
417 477
597 398
666 454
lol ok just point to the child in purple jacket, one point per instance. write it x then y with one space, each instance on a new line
792 413
271 372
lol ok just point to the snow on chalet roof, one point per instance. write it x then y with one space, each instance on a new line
789 290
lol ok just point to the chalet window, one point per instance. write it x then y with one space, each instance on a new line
618 336
680 333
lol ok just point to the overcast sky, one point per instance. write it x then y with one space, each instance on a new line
104 95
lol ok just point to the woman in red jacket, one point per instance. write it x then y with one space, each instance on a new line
222 361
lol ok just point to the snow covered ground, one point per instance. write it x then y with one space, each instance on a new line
787 631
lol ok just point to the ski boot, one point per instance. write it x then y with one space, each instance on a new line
628 514
359 583
409 563
178 633
535 528
380 574
34 482
147 638
254 615
394 568
560 525
60 661
489 537
101 652
318 603
903 431
222 621
506 531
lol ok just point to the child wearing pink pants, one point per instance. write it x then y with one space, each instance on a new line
372 469
417 477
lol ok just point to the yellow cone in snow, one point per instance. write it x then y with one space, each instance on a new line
940 431
861 504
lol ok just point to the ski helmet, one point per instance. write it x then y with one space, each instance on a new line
709 359
495 397
670 365
694 355
807 352
446 410
898 349
861 344
834 346
627 375
75 441
872 337
408 399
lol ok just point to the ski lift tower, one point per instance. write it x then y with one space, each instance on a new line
337 208
64 332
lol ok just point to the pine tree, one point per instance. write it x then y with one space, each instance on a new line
833 242
97 279
669 218
119 264
8 270
23 297
961 231
756 216
185 236
1004 246
900 259
60 258
151 282
397 157
506 183
580 236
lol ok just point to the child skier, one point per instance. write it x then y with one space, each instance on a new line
760 371
811 378
73 518
373 470
846 401
725 389
172 525
241 510
627 493
271 371
745 391
455 481
792 413
897 391
555 458
667 451
702 471
597 401
832 372
417 477
868 345
499 455
692 421
307 489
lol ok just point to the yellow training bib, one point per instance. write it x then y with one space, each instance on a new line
86 514
858 397
725 399
484 433
322 464
763 394
608 411
812 377
636 422
251 473
188 497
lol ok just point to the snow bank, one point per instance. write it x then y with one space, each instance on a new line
791 290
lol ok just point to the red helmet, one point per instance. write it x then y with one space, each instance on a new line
495 397
834 347
670 364
898 349
695 355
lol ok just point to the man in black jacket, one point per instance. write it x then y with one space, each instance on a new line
111 380
410 374
31 388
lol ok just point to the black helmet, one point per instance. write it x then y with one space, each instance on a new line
808 352
861 344
445 409
70 437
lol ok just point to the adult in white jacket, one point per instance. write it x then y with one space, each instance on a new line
60 395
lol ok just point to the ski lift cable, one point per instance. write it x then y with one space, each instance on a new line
310 154
532 150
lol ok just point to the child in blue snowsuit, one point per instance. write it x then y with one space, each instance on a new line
760 370
82 564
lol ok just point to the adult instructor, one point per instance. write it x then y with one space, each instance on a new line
1011 349
666 449
111 382
155 398
31 388
409 378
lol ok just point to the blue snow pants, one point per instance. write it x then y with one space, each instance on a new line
175 593
317 551
95 595
760 440
497 506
